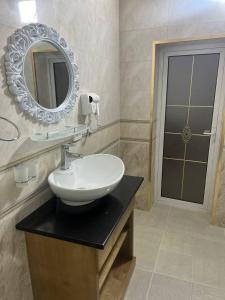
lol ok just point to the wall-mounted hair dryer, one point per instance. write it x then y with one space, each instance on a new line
89 104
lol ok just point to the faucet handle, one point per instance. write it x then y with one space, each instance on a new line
75 154
65 146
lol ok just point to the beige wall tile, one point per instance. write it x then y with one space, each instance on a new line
192 30
12 244
135 76
135 105
14 273
136 45
135 90
136 14
98 140
12 194
114 149
144 21
47 162
136 153
135 157
196 11
135 130
220 212
95 43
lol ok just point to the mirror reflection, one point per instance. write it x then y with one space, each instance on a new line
46 74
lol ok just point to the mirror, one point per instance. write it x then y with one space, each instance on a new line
41 72
46 74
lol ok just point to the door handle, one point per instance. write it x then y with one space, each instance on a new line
207 132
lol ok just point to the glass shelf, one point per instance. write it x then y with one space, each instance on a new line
66 132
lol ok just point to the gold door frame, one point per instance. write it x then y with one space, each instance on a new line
217 184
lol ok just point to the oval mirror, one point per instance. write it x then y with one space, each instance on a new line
46 74
41 72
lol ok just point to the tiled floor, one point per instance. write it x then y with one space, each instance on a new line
179 256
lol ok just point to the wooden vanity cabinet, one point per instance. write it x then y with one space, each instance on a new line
64 270
82 256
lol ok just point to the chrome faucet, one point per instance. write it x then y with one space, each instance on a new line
66 155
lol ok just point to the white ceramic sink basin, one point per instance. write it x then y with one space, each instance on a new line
88 179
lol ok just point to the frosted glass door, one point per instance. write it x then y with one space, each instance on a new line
191 87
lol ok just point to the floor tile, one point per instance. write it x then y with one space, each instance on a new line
146 253
167 288
174 264
148 232
187 220
178 241
201 292
209 271
146 246
213 233
157 216
139 285
185 254
208 249
195 222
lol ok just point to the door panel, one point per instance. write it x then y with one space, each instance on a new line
198 148
190 97
61 81
204 79
173 146
179 76
200 119
194 182
172 178
176 118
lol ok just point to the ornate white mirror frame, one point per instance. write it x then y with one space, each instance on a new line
18 46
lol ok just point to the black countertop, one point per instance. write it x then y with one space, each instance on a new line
92 228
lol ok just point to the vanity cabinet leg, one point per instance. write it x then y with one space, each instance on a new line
127 249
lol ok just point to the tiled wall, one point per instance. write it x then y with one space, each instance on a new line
141 22
91 28
219 204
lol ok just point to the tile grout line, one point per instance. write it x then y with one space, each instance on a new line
143 29
191 282
30 197
149 287
140 121
192 266
44 186
197 235
127 139
192 276
157 256
173 277
52 148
